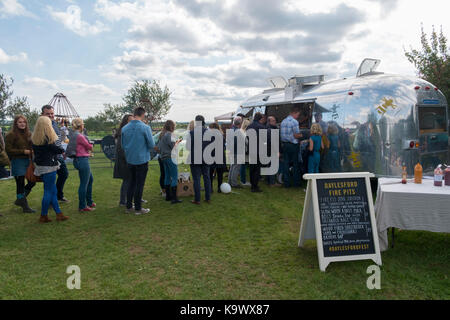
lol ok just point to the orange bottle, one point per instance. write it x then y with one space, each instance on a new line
418 173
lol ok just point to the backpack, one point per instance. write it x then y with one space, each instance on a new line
71 150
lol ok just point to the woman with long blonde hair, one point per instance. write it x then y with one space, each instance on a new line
45 157
315 144
19 150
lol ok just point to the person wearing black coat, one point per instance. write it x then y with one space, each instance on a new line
200 168
255 168
121 170
271 125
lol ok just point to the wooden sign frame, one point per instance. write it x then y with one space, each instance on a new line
310 227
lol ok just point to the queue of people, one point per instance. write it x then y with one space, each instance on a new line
306 149
135 147
42 153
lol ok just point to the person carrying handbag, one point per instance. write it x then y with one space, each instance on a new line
18 147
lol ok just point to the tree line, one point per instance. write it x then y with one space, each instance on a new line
148 94
145 93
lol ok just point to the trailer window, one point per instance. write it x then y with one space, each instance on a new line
280 112
432 119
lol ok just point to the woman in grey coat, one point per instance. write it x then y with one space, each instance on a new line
121 170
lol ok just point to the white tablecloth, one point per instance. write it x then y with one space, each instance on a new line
411 207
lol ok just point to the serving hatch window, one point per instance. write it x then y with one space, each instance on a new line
432 119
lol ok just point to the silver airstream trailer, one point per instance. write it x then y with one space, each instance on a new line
383 120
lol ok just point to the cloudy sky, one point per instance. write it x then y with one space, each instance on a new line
211 54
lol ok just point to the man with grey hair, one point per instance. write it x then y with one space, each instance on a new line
235 166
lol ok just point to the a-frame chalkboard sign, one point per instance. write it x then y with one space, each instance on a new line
338 212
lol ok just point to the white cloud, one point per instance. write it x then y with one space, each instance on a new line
71 19
214 54
68 85
40 83
217 53
5 58
13 8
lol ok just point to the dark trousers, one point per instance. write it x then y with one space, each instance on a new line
255 175
137 182
162 173
63 174
271 179
3 172
124 190
290 155
21 187
219 172
197 171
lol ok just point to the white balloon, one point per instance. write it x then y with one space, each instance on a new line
225 188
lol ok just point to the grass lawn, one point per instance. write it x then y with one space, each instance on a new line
241 246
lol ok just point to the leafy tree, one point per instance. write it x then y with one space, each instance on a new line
94 124
151 96
5 95
432 61
21 106
9 107
111 115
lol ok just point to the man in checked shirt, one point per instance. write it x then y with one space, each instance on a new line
290 133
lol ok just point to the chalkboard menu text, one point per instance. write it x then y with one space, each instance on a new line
344 217
338 213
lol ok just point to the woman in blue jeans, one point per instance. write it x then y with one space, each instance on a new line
45 158
81 163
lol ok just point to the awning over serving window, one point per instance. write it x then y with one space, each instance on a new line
227 116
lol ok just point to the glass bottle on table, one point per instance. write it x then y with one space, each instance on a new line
447 175
438 175
418 173
404 174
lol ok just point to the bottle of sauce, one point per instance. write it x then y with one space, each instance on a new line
418 173
447 176
438 176
404 174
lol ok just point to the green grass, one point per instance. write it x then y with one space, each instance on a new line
242 246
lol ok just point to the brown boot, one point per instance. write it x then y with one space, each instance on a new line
44 219
61 217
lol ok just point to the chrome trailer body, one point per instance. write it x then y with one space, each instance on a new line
383 120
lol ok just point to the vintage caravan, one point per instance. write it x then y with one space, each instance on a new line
383 120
